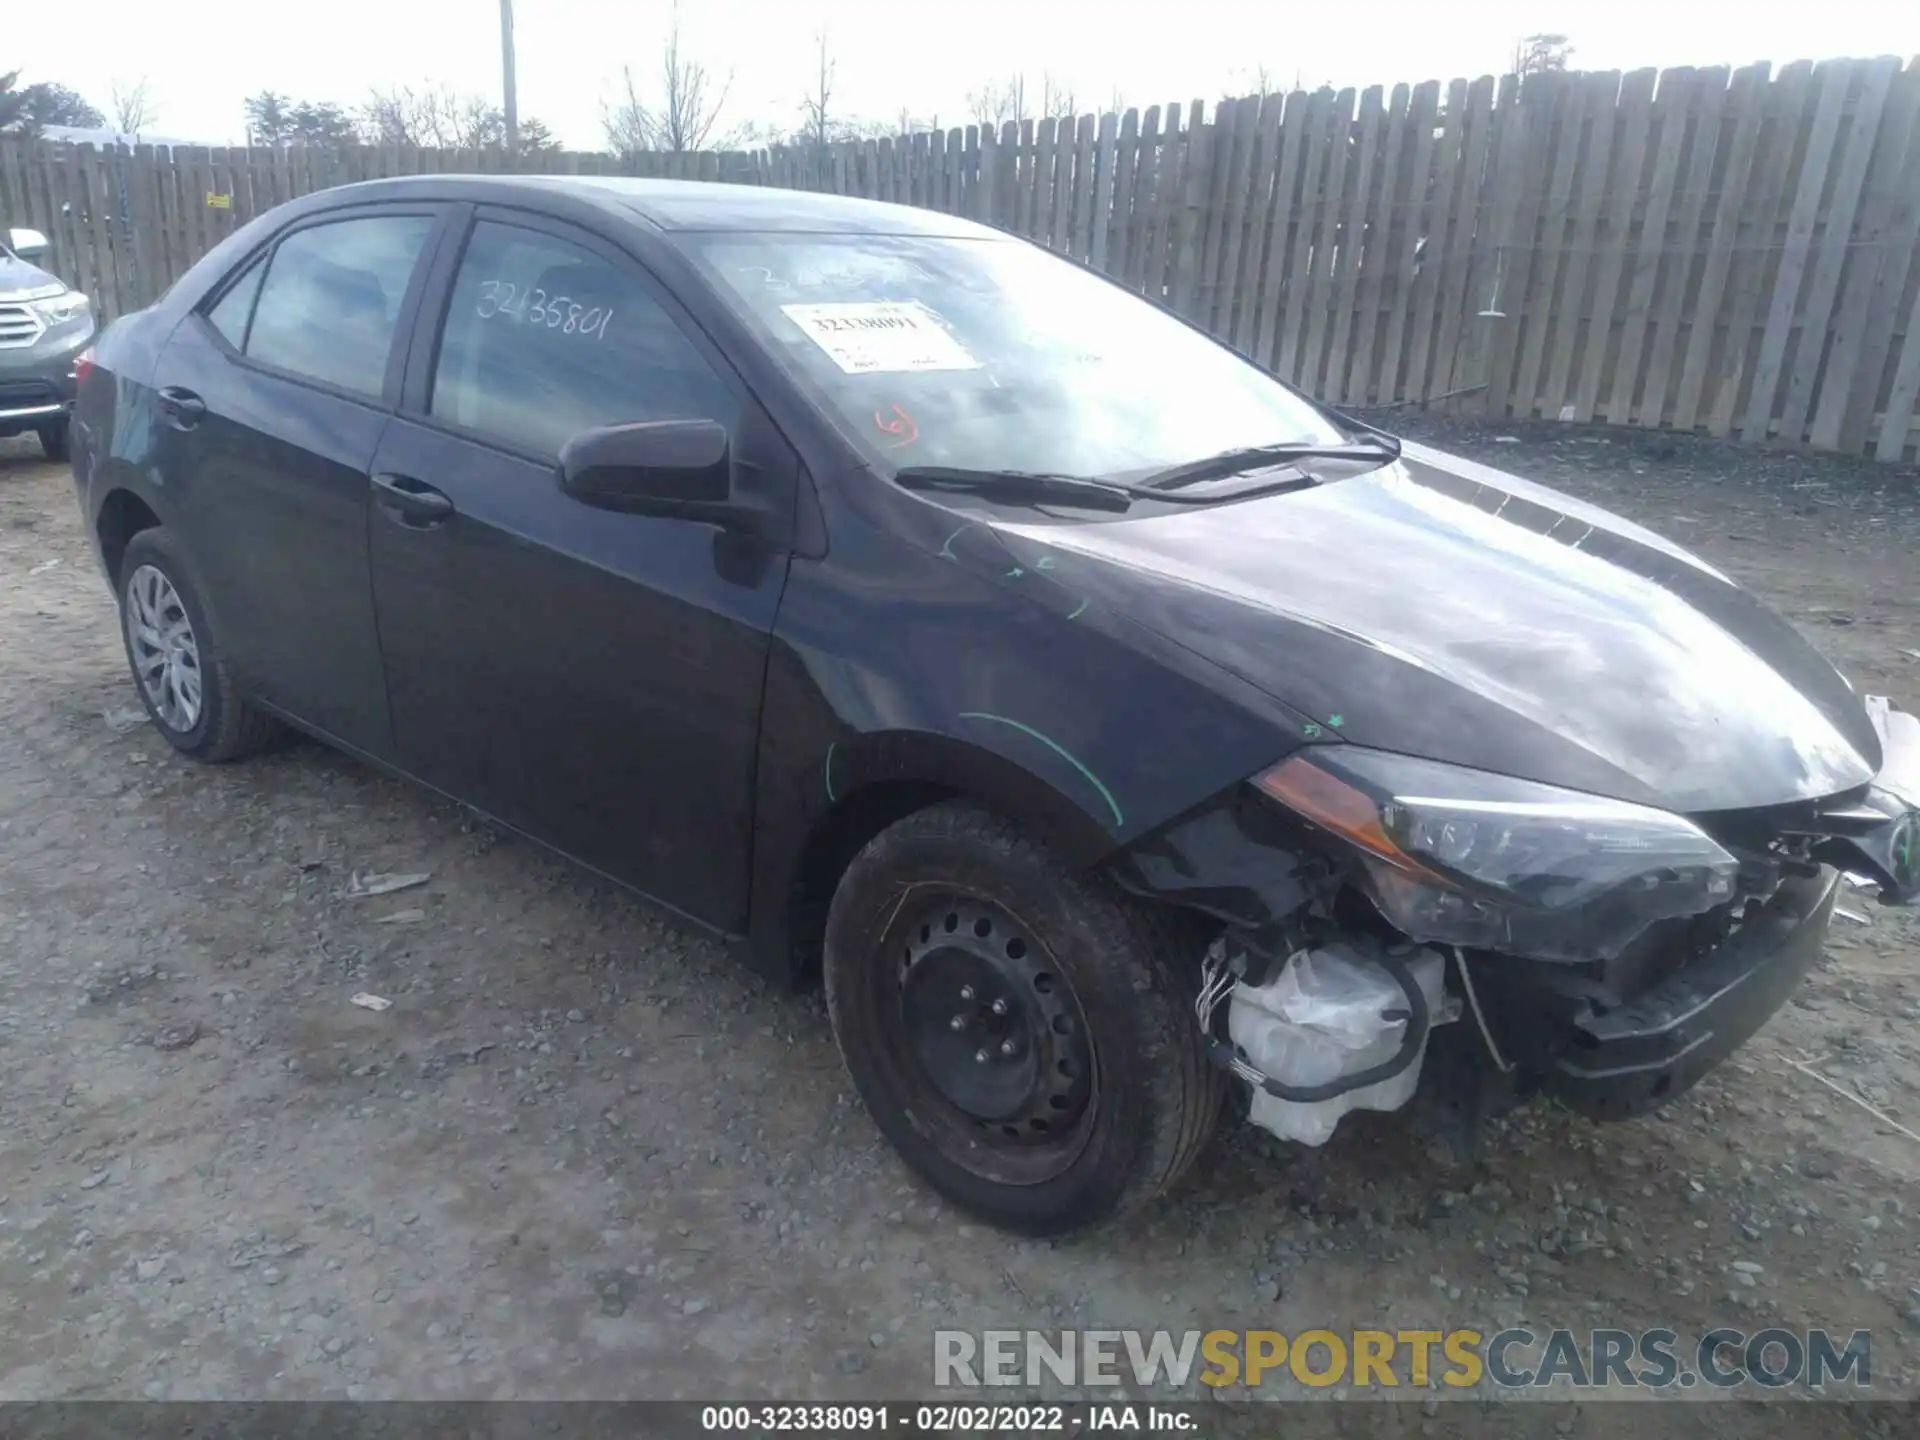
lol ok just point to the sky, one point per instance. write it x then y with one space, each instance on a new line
201 58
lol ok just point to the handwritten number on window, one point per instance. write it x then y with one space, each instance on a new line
536 307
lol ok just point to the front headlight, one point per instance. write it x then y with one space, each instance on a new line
59 309
1465 857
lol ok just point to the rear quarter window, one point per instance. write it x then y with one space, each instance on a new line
234 309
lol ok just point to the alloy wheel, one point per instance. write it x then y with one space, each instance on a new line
166 656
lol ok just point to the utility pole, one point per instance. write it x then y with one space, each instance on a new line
509 103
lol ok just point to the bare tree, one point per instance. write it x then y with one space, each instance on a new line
1255 80
821 123
817 107
1541 54
436 117
134 107
388 118
627 122
688 110
994 105
1056 99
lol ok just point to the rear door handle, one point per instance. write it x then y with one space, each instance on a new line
184 408
412 502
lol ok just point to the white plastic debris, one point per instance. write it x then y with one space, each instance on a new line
44 566
125 719
371 1002
401 917
360 886
1323 1017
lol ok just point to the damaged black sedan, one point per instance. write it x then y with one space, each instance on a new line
1106 723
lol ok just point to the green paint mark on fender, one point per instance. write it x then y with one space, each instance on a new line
1058 749
1311 730
946 549
1077 609
1045 562
1336 721
832 746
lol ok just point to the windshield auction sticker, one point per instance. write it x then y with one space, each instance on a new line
877 337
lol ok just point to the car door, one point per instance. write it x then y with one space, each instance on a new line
274 394
590 677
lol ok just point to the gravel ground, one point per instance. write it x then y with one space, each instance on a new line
584 1155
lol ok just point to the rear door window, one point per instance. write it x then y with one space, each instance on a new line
545 338
331 299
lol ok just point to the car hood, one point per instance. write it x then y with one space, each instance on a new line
19 279
1442 608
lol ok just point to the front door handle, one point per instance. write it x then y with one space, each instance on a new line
412 502
184 408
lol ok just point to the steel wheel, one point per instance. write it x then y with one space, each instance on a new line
166 656
1022 1031
991 1034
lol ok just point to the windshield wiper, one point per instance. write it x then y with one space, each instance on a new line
1018 485
1380 448
1114 495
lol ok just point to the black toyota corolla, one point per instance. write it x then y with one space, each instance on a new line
1109 724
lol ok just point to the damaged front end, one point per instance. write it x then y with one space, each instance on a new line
1607 953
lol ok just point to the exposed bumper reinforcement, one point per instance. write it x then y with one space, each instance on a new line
1624 1061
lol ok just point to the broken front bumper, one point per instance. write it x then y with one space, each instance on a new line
1614 1060
1879 835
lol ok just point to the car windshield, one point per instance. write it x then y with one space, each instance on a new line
989 354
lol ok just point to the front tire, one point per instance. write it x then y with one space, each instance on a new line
178 665
1021 1032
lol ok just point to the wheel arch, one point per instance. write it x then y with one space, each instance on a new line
123 514
865 784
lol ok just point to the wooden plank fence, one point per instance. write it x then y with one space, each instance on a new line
1734 253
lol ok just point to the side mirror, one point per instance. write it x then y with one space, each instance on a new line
28 244
656 467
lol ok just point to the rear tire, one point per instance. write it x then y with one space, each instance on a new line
54 441
178 666
953 919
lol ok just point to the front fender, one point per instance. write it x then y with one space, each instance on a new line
963 668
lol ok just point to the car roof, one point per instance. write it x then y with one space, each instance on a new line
702 204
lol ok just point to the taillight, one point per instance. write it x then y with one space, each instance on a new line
83 366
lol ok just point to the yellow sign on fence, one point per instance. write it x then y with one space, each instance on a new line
219 202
